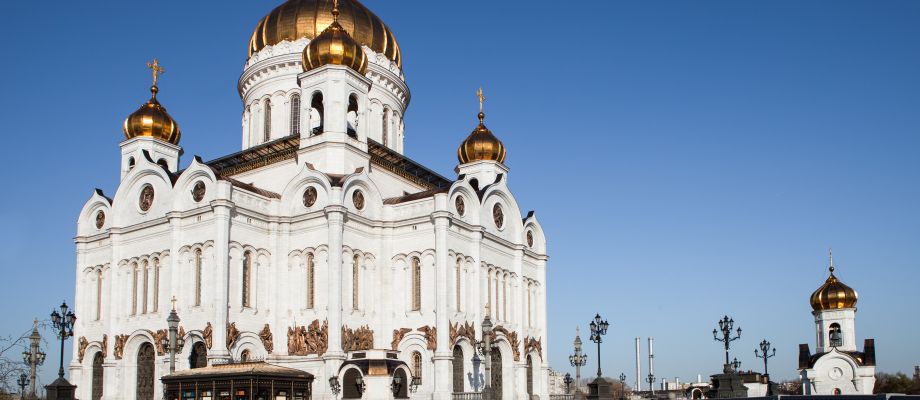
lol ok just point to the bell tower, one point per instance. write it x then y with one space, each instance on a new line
834 309
150 132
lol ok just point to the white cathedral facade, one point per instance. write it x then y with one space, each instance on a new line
319 244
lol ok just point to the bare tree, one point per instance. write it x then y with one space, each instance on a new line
11 363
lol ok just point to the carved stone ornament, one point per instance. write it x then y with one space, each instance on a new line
303 341
309 197
267 339
358 199
498 216
398 335
158 338
198 191
232 335
359 339
533 344
100 219
81 349
105 346
511 337
120 341
431 336
146 198
467 330
529 238
460 205
207 334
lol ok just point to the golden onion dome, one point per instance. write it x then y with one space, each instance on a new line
152 120
296 19
833 294
334 46
481 145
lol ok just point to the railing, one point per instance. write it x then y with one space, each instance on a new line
467 396
561 397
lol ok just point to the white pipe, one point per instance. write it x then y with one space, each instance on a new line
638 366
651 356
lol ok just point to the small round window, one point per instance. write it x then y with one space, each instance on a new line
498 216
100 219
309 197
460 205
145 201
358 199
198 191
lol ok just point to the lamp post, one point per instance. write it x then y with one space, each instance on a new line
23 381
736 365
765 348
578 359
396 385
33 357
651 382
486 345
725 327
567 379
174 343
622 385
63 323
334 386
598 329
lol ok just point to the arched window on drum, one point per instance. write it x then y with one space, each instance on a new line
352 116
295 114
317 114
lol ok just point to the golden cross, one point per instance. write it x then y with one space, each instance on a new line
157 70
481 98
335 10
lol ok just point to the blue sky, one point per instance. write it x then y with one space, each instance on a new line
687 159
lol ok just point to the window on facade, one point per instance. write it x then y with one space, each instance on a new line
836 336
311 281
458 370
529 375
505 297
156 285
245 356
267 121
385 132
198 357
247 277
316 114
133 289
355 282
352 116
417 365
295 114
490 310
146 271
416 284
198 277
98 295
457 280
529 305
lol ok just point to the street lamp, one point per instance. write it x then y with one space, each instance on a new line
622 385
598 329
334 385
651 382
23 381
33 357
765 348
415 383
578 359
486 347
360 385
736 364
568 381
725 327
63 323
173 344
396 385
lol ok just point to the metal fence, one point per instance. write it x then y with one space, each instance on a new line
467 396
562 397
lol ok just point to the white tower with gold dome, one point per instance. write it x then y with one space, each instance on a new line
318 247
837 367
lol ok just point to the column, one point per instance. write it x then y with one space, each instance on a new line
222 207
335 215
443 357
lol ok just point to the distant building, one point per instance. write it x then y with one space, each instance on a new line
836 367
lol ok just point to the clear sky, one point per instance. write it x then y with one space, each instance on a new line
687 159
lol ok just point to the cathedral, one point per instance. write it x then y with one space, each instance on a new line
319 246
837 367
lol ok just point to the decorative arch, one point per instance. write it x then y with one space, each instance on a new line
292 197
196 172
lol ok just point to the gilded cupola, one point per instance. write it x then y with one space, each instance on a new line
151 119
334 46
481 144
833 294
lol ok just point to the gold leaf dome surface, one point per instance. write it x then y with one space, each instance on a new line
334 46
481 145
297 19
152 120
833 295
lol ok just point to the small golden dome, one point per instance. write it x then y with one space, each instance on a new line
334 46
297 19
833 294
481 145
152 120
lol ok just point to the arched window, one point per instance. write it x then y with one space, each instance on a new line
355 282
529 375
156 284
352 116
197 277
146 270
417 365
98 376
403 392
457 281
505 297
145 372
199 356
131 163
385 132
458 369
267 121
98 295
133 288
835 335
295 114
416 284
311 281
350 387
245 356
247 277
489 304
316 114
529 305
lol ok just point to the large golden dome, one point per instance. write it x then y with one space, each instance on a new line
297 19
334 46
833 294
152 120
481 145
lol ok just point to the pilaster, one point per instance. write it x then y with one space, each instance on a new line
223 209
443 356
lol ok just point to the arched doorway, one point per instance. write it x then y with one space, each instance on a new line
145 372
496 373
403 392
97 376
350 386
198 357
458 369
529 375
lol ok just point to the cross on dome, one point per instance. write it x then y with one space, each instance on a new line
157 70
